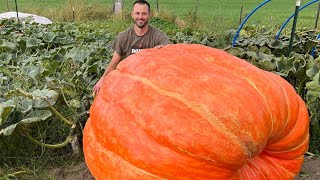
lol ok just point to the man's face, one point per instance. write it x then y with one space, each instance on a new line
140 15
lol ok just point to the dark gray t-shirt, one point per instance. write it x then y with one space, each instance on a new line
128 42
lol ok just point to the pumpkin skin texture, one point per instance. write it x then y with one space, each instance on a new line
194 112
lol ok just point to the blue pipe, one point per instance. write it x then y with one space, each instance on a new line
244 21
285 23
314 48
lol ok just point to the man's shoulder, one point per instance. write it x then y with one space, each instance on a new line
154 29
156 32
125 32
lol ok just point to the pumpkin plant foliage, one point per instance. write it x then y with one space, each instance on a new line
194 112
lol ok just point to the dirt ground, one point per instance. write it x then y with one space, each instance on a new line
78 172
310 171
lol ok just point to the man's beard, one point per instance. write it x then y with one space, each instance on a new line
141 25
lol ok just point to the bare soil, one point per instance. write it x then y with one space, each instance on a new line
310 171
75 172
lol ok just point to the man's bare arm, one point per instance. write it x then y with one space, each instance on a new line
116 58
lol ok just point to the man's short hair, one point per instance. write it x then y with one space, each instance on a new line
142 2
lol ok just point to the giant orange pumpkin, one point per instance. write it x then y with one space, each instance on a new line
194 112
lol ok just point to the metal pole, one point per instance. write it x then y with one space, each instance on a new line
17 9
294 26
73 14
293 14
316 24
240 18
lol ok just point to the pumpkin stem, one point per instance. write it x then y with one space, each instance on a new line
24 130
64 97
54 110
52 146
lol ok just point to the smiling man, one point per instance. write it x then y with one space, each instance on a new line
134 39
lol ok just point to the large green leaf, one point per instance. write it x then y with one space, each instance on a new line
6 108
49 95
6 71
314 85
285 65
311 72
5 58
13 118
39 97
38 115
49 36
35 116
265 50
7 45
33 43
33 72
8 130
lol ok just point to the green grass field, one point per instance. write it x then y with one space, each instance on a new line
217 15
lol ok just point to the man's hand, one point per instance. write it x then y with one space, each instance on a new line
112 66
159 46
96 88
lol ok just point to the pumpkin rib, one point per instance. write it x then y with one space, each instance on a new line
237 74
251 162
303 141
301 145
264 97
297 135
278 165
193 155
266 169
292 108
246 171
199 108
144 59
139 130
201 158
174 96
291 164
117 100
266 102
286 97
275 164
287 120
237 71
102 149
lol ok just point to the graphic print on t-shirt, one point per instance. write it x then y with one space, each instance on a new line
135 50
